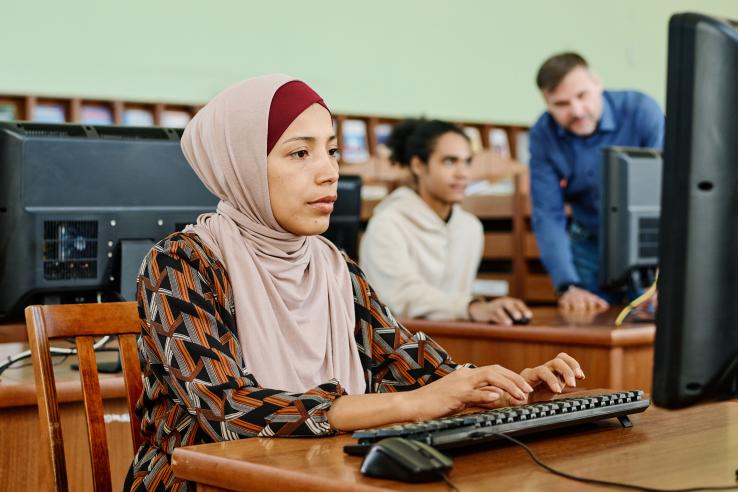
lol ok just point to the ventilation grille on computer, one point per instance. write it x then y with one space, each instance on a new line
648 237
128 133
70 249
51 130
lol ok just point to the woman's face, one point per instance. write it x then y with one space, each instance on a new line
302 171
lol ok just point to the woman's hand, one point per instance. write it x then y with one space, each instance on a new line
479 386
554 375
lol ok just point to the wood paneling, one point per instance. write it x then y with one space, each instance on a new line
498 245
611 357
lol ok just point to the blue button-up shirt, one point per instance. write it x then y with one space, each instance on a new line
565 168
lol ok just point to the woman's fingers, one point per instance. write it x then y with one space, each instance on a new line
566 372
543 373
504 379
571 362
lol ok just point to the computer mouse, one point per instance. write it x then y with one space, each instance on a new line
522 320
406 460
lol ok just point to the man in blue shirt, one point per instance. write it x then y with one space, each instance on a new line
565 158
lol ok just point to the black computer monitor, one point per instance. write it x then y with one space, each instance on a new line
81 205
630 203
696 350
346 217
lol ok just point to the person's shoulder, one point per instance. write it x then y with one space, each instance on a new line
359 282
390 214
184 247
543 125
632 101
467 219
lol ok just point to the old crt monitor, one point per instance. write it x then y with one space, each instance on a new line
630 201
80 205
696 349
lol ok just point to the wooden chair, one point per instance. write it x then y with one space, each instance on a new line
83 322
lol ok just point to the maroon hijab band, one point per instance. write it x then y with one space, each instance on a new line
288 103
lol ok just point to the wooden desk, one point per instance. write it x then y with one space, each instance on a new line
687 448
612 357
21 466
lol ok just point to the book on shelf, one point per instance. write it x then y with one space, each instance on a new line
49 112
382 132
175 118
498 142
96 114
138 117
355 147
8 111
475 138
522 147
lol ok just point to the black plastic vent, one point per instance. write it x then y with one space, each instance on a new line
70 249
132 132
648 237
51 130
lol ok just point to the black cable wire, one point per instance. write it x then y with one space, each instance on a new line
606 483
450 484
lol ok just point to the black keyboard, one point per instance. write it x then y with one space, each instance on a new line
474 428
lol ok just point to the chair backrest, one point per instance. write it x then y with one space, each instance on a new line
83 322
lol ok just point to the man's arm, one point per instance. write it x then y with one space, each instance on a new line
549 218
651 124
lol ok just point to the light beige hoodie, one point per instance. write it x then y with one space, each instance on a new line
419 265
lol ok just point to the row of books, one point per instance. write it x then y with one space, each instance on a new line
56 112
355 141
354 131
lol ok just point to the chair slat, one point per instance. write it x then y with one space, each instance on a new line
134 382
96 435
48 406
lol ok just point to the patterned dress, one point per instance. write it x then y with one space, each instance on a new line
196 387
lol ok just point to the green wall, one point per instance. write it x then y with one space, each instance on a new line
461 59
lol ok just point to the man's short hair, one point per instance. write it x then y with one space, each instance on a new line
553 70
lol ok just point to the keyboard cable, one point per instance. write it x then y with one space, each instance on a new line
450 484
606 483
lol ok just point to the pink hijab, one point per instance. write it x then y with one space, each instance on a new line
293 294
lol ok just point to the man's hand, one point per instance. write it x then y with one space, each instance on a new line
578 299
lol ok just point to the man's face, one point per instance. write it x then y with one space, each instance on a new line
576 103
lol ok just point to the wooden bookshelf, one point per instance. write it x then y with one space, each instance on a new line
510 251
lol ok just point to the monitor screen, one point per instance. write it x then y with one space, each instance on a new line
630 203
696 350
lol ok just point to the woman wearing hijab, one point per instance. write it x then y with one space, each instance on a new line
254 325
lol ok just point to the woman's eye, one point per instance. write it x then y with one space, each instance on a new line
334 153
300 154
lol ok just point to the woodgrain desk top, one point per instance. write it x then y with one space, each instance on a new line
685 448
549 324
18 385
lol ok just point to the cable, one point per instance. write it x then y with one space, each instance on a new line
637 301
606 483
97 347
450 484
